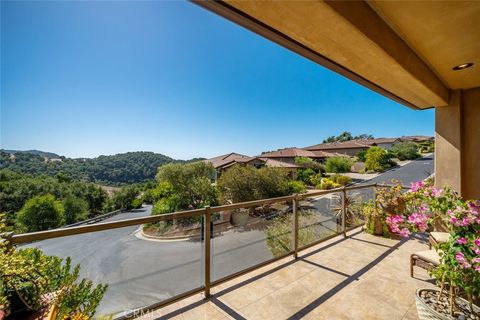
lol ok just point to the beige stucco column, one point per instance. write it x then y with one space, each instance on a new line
457 143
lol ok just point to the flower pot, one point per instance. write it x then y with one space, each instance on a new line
239 218
425 310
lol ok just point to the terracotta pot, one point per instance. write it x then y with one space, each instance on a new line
239 218
378 226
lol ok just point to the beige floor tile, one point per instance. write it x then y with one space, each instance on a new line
320 285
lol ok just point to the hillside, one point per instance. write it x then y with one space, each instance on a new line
44 154
119 169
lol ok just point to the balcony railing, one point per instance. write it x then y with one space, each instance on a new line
277 228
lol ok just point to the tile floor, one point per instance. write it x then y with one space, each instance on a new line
358 277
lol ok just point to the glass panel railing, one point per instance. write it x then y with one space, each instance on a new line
142 264
319 217
246 237
356 201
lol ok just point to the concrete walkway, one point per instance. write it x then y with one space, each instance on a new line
360 277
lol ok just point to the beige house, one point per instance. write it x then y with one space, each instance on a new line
350 148
224 162
288 155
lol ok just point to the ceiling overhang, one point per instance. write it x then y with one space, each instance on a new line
348 37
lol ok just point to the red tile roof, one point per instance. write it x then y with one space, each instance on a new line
224 160
290 153
351 144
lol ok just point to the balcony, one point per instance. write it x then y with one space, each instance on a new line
357 277
299 256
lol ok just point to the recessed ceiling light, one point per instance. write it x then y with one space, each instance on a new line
463 66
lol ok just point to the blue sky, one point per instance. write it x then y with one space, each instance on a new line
87 78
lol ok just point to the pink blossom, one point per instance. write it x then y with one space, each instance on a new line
466 221
460 257
453 220
477 268
474 207
477 242
462 241
476 250
436 192
416 185
466 265
404 233
476 260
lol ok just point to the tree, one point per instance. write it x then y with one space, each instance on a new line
377 159
41 213
190 183
75 209
361 155
246 183
405 151
338 164
95 197
124 198
346 136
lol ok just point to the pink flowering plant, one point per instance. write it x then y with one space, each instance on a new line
425 206
409 211
460 256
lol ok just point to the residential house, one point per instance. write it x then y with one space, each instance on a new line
288 155
350 148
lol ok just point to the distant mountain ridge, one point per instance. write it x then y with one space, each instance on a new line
50 155
118 169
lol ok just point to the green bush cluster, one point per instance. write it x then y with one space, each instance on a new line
340 179
377 159
309 170
338 164
246 183
327 184
27 275
79 199
404 151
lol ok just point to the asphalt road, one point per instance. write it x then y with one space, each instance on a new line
141 272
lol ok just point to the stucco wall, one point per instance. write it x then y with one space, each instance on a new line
457 143
471 144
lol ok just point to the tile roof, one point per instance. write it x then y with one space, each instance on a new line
351 144
226 159
290 153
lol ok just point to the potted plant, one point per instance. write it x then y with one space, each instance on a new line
38 285
458 274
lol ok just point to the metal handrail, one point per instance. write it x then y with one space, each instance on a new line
62 232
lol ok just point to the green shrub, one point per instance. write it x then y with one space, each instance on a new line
338 164
123 199
32 274
306 175
361 155
309 163
327 184
341 180
75 209
377 159
137 203
405 151
41 213
316 179
296 187
246 183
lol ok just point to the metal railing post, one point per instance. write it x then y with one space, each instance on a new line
206 243
344 211
295 227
